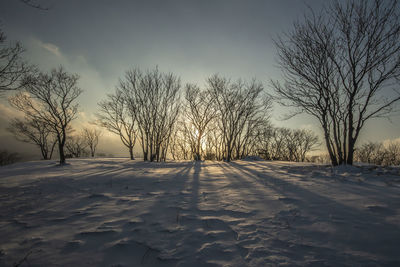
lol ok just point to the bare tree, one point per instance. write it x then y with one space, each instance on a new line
50 99
379 154
340 66
12 66
213 142
392 154
306 141
76 146
298 143
91 137
284 143
280 142
239 111
199 113
181 143
154 100
117 117
221 122
264 139
34 132
370 152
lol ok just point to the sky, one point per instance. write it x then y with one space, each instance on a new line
100 40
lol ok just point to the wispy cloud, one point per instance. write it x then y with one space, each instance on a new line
8 112
52 48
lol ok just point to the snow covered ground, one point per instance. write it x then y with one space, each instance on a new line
115 212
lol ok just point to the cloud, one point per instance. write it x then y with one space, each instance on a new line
6 111
94 84
85 120
52 48
6 114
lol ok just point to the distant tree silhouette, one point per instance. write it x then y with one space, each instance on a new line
373 153
7 157
387 154
34 132
285 144
76 146
49 98
342 66
116 116
91 137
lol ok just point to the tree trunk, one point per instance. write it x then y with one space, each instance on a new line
158 153
131 153
197 154
61 150
52 149
228 153
44 152
144 147
350 154
151 153
328 146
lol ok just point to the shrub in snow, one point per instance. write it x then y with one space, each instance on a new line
8 158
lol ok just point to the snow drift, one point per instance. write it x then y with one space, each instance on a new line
117 212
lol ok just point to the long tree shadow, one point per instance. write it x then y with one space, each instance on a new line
326 174
354 229
334 181
195 185
236 179
165 222
154 225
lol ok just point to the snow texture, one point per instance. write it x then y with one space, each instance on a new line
117 212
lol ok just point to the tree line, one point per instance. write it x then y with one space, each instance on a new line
379 154
147 106
224 121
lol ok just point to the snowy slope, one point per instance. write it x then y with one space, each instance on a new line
115 212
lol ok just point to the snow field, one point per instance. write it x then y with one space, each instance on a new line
116 212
